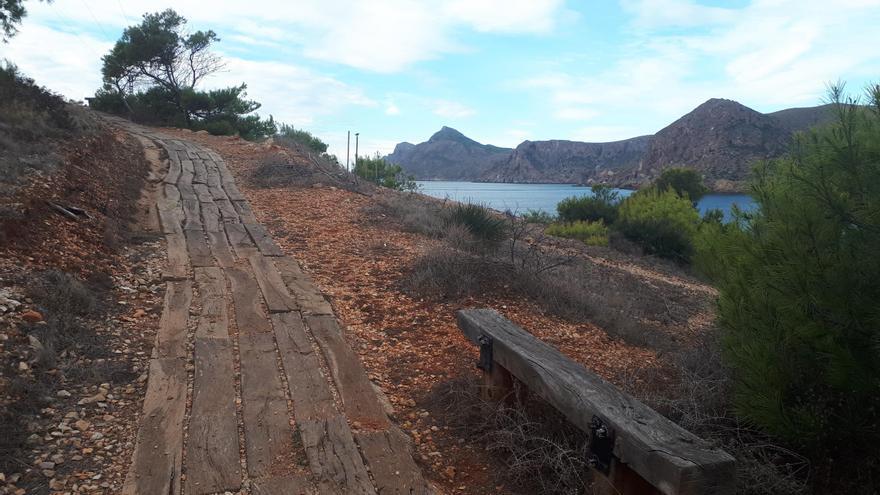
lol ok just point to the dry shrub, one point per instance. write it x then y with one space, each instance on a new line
415 212
543 452
568 287
297 168
448 273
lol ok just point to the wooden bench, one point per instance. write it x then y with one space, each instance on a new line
634 449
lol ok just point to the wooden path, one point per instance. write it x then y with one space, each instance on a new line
252 387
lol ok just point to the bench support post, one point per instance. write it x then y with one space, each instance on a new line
497 384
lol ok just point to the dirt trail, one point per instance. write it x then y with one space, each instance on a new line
252 387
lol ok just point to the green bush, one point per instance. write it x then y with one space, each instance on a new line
798 291
383 173
601 205
592 233
661 222
300 136
686 182
538 216
487 227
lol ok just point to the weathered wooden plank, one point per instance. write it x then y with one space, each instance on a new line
667 456
187 169
171 221
261 378
178 260
191 212
389 458
203 193
171 336
227 211
225 175
275 293
218 193
212 455
220 249
214 179
186 191
174 170
200 172
333 457
232 191
197 247
211 217
309 389
245 212
156 463
213 319
355 388
172 194
267 432
300 285
249 314
297 484
239 239
263 240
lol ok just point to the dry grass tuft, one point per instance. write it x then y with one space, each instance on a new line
542 451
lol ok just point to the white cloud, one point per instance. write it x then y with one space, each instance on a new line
293 94
452 109
385 36
392 109
675 13
520 16
69 64
768 55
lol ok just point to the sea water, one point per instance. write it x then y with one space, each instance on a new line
519 198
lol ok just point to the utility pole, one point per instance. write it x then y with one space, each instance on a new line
347 148
356 149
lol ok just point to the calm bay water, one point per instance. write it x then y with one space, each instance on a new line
544 197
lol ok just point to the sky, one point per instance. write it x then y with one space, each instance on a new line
499 71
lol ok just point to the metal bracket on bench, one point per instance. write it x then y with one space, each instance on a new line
485 362
601 445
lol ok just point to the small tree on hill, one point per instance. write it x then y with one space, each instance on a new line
152 74
158 52
684 181
798 289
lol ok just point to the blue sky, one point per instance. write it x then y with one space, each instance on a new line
500 71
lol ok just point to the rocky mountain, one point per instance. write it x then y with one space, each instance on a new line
568 161
720 138
447 155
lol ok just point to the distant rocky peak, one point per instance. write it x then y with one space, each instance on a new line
403 147
449 134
